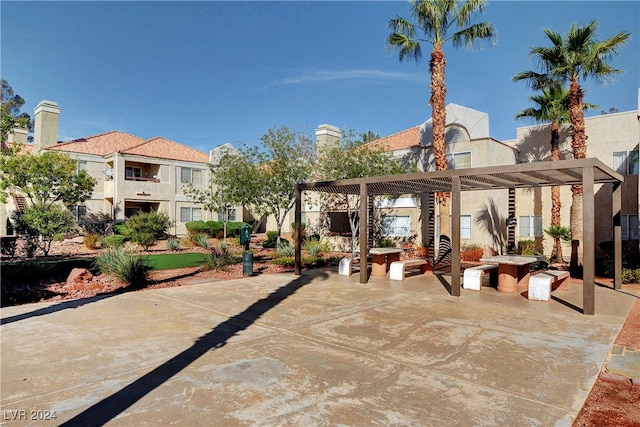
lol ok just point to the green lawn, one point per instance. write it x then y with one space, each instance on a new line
170 261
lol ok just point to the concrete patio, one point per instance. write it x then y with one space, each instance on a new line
315 349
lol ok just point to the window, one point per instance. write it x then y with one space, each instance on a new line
190 214
231 214
193 176
626 162
78 212
82 165
465 226
339 223
530 226
396 226
129 212
132 172
630 227
459 160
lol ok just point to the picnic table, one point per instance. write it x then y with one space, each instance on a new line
513 270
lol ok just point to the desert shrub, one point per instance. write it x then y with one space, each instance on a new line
173 243
630 276
218 258
9 245
91 240
114 241
471 252
315 247
146 228
202 240
528 247
125 265
384 242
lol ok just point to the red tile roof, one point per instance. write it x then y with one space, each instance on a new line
402 140
122 142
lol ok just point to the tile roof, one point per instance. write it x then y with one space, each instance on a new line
24 149
402 140
122 142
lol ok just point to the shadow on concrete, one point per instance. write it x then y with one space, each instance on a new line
55 308
110 407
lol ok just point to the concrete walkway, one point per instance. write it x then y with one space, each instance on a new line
316 349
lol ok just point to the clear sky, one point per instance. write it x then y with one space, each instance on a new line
210 72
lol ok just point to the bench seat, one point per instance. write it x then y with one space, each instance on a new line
345 266
541 284
397 268
473 276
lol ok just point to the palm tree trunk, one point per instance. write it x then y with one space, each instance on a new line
556 204
439 122
579 148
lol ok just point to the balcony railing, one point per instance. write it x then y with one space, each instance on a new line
135 178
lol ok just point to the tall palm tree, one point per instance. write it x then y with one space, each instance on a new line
440 21
579 55
551 106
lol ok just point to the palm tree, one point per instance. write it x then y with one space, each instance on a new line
558 233
440 21
579 55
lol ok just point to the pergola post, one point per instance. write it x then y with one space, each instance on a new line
364 232
588 237
298 222
455 236
616 205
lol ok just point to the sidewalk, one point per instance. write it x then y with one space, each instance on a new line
306 350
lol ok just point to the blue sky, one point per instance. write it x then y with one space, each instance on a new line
210 72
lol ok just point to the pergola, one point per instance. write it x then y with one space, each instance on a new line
585 172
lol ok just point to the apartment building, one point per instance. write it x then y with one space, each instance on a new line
133 174
612 138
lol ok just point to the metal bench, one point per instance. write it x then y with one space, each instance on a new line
540 284
473 276
397 268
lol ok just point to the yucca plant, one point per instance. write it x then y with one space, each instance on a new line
202 240
285 250
173 243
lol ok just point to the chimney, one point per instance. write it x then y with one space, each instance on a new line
45 132
327 136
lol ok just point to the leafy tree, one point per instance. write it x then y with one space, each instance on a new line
146 228
579 55
44 222
45 178
369 136
11 118
439 21
263 179
355 159
216 199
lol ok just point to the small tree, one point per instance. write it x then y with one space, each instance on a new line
263 179
355 159
147 228
558 233
44 222
10 117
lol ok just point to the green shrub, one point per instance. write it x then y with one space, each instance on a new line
384 242
118 228
197 227
288 261
125 265
630 276
173 243
91 240
202 240
114 241
146 228
272 239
